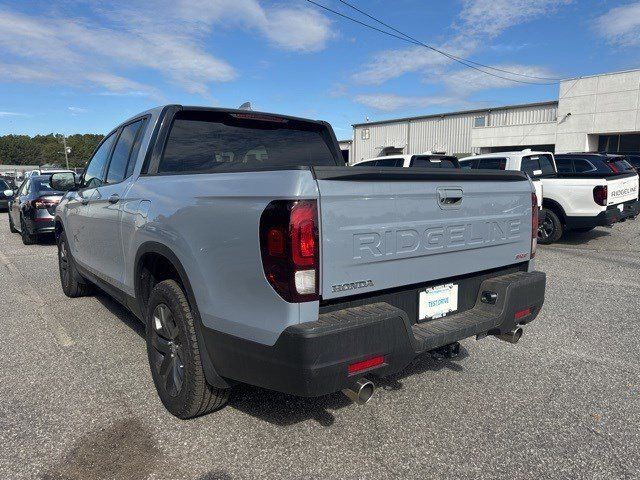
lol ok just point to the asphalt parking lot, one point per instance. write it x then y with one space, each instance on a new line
77 400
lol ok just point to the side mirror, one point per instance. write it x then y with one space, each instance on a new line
8 193
63 181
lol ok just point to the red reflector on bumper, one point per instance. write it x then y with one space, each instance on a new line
522 313
365 364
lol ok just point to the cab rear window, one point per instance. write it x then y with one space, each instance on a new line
420 161
206 142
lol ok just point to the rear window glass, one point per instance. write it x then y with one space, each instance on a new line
3 185
492 163
583 166
537 165
434 162
201 141
40 185
621 166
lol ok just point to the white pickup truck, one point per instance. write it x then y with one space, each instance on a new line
572 200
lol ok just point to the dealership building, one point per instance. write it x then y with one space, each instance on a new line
595 113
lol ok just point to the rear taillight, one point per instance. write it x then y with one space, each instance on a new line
43 203
600 195
289 247
534 225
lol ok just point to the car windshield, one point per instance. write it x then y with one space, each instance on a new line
3 185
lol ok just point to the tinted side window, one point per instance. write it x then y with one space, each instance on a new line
564 165
95 170
530 165
468 164
370 163
492 163
122 152
547 165
390 162
583 166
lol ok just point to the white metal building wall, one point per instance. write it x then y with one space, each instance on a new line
522 116
448 132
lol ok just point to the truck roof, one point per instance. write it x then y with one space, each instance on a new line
157 110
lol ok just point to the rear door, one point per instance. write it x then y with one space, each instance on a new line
80 225
381 230
107 256
622 189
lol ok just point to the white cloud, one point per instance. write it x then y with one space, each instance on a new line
467 81
458 87
388 102
172 40
12 114
491 17
478 21
299 29
621 25
77 110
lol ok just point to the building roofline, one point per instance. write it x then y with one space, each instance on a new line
604 74
460 112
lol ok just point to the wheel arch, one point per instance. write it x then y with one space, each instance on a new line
154 251
554 206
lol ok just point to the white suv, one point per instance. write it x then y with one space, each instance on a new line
570 201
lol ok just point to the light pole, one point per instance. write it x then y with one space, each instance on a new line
67 150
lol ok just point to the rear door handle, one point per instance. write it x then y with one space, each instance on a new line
114 198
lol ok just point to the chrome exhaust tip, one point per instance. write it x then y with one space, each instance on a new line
512 337
360 392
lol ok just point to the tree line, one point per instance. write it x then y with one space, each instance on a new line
47 149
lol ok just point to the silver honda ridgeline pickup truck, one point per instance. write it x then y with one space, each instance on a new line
253 254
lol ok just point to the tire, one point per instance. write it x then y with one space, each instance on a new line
583 229
27 238
551 230
73 284
174 355
12 227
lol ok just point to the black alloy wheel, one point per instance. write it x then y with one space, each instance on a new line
167 355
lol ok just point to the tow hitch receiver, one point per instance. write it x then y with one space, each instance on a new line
451 350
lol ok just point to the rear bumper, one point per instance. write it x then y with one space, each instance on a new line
607 218
312 359
40 224
4 204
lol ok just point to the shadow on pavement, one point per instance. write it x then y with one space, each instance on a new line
283 410
121 312
578 238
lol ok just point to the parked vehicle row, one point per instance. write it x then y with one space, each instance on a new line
582 192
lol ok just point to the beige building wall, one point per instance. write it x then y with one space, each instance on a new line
591 106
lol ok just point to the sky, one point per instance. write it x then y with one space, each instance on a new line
83 66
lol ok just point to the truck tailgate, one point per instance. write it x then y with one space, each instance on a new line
386 228
622 189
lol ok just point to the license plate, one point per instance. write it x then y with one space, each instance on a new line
621 207
436 302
